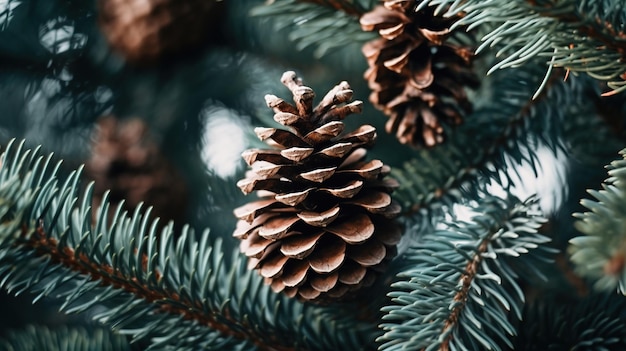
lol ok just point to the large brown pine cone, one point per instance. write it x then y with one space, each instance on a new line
322 227
416 77
146 30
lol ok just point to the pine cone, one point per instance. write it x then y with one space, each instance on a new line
417 79
127 162
145 30
322 227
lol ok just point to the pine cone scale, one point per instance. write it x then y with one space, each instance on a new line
368 254
354 230
296 154
292 199
300 246
325 132
338 150
273 266
253 155
324 283
277 227
328 255
251 211
282 137
318 175
367 171
319 219
347 191
351 273
374 202
308 293
295 273
381 18
256 246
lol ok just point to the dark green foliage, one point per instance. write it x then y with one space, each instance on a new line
40 338
596 322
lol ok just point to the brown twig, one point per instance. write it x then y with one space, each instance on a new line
469 273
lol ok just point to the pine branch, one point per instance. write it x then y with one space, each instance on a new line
31 218
462 289
107 276
41 338
580 36
178 293
600 254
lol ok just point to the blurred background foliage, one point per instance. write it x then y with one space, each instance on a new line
59 76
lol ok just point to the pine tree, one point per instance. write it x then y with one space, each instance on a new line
488 213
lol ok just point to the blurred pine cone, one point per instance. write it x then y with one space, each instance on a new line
144 31
127 162
322 227
417 78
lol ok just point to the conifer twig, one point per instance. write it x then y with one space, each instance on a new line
467 277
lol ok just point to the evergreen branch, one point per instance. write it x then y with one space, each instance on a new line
106 276
580 36
41 338
509 128
600 254
462 285
178 293
312 25
49 235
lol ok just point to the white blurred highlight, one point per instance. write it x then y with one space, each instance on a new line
6 11
58 36
223 140
548 184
